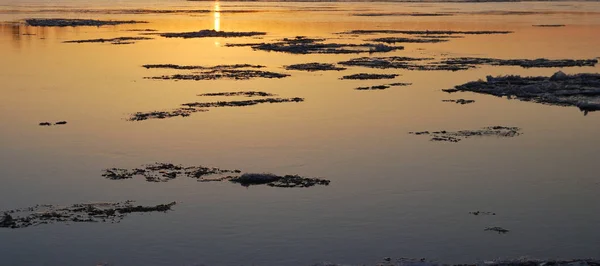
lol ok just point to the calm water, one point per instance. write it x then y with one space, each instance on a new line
392 194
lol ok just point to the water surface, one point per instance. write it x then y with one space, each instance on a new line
392 194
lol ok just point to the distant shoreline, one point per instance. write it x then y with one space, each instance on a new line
395 1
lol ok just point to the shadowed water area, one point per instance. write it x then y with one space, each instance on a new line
363 133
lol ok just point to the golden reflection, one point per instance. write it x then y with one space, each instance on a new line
21 33
217 15
217 22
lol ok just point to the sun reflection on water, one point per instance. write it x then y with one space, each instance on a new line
217 21
217 16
